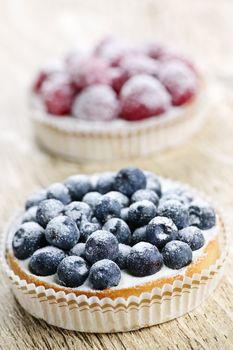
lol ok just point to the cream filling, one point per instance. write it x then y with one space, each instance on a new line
127 280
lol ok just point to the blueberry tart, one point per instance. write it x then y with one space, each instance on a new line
75 261
116 101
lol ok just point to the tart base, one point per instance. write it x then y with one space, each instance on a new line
126 309
84 141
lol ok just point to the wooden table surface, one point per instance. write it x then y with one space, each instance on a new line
31 32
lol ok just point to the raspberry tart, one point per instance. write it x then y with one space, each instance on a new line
114 251
116 101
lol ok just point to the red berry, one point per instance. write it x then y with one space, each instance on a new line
118 78
112 50
170 55
179 80
97 103
142 97
53 67
139 64
57 94
89 71
154 50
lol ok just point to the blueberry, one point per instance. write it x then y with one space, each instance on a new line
44 261
176 211
177 193
87 228
124 214
78 250
62 232
121 260
177 254
149 195
91 198
144 259
78 211
107 208
153 183
78 186
201 215
72 271
36 198
129 180
140 213
160 231
120 197
119 229
27 239
47 210
60 192
29 215
139 235
193 236
168 197
101 245
104 274
105 182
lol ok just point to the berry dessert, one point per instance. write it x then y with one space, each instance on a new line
108 102
73 249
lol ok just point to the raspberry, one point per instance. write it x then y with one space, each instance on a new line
179 80
118 77
89 71
112 50
97 102
57 94
154 50
143 97
53 67
139 64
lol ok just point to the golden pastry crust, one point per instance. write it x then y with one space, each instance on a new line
211 253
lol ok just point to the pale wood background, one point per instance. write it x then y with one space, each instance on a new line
32 31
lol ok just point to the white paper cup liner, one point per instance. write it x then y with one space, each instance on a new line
91 314
79 140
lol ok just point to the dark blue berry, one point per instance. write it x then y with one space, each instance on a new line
144 259
193 236
139 235
129 180
120 197
86 228
119 229
27 239
176 211
201 215
124 214
78 250
177 193
153 183
123 254
177 254
29 215
60 192
140 213
101 245
160 231
36 198
104 274
62 232
78 211
91 198
149 195
107 208
78 186
47 210
44 261
105 182
72 271
168 197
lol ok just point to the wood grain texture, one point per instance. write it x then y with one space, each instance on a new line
32 31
